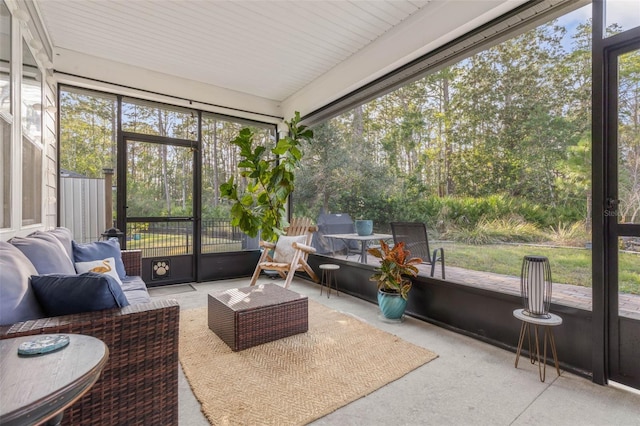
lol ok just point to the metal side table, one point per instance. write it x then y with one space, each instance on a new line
525 329
329 276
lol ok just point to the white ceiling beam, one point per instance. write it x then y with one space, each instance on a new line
433 26
69 64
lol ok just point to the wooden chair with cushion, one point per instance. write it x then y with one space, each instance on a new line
290 253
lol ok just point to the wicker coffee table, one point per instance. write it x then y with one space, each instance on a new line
251 316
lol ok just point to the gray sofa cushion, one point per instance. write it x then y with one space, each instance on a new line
48 257
135 290
17 300
47 236
65 237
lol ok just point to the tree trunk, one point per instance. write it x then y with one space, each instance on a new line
163 151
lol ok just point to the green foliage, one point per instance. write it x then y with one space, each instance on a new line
574 177
87 134
512 229
328 157
504 132
573 235
470 211
467 212
395 264
215 212
270 180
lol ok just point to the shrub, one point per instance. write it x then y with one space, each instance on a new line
510 229
574 235
469 211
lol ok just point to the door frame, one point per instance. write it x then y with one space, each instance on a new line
614 230
122 218
606 230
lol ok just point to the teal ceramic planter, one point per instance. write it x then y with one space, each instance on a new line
392 305
364 227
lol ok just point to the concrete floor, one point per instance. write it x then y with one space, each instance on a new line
470 383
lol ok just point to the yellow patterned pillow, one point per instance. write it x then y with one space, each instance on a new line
105 266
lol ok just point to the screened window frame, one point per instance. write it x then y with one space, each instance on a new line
199 114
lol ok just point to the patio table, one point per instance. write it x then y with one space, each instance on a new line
362 239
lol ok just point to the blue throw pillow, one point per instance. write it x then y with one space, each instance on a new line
100 250
60 294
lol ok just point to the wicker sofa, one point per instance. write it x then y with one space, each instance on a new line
139 384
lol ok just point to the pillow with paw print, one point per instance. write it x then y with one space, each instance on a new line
104 266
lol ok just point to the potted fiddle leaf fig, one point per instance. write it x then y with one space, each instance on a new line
261 206
396 264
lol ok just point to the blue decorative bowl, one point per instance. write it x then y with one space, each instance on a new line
364 227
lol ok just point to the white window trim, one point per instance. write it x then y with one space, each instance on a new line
20 32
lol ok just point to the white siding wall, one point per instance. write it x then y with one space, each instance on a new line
50 159
82 207
32 30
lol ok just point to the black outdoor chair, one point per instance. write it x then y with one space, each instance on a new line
414 236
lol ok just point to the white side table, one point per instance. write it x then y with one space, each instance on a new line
329 276
525 329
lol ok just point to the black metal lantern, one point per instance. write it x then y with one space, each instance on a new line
535 286
114 233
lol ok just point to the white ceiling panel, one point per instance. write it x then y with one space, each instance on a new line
265 48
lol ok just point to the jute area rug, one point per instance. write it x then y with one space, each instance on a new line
295 380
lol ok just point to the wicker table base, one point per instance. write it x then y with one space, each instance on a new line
250 316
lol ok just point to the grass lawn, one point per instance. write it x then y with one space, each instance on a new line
157 244
568 265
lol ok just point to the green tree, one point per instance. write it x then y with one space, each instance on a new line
270 181
87 134
322 177
629 136
512 132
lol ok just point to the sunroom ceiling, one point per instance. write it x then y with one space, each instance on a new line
274 50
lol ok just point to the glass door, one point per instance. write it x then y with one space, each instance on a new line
622 212
159 208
